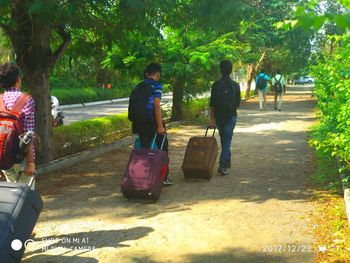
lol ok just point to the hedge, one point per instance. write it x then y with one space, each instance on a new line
87 134
332 74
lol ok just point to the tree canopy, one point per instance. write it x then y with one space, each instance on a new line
94 41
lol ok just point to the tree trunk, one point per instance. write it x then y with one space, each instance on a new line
30 39
251 72
178 94
38 86
250 77
101 73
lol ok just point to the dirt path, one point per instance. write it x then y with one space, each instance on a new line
259 213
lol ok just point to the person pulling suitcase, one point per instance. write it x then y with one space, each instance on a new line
224 100
145 114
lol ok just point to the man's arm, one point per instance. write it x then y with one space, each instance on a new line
29 168
211 105
238 97
158 116
212 118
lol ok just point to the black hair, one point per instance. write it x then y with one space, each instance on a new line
225 67
152 69
278 71
262 70
9 73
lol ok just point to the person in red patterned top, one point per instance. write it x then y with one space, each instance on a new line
10 80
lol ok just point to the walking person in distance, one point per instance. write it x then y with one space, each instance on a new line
278 86
261 85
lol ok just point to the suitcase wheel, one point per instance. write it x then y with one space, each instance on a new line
153 197
126 196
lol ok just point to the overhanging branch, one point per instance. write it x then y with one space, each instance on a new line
66 38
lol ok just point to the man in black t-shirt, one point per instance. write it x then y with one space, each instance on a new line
224 100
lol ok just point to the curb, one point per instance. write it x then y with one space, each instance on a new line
85 104
346 190
346 197
347 203
82 156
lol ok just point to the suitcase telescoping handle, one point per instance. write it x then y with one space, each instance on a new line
154 141
32 178
210 127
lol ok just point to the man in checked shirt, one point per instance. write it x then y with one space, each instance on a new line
10 80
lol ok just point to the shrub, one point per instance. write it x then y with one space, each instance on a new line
87 134
332 90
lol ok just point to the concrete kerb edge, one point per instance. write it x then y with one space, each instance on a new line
346 190
347 203
83 156
84 104
346 197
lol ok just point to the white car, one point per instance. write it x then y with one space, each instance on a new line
304 80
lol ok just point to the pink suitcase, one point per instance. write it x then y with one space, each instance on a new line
145 173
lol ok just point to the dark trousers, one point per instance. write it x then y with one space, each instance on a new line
226 132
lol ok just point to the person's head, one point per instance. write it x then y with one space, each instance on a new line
262 70
278 71
225 67
153 71
9 76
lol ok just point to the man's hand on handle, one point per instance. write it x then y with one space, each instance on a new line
160 130
29 169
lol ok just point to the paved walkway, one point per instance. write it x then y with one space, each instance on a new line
259 213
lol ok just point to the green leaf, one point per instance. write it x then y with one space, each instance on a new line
341 21
300 11
295 23
318 22
307 22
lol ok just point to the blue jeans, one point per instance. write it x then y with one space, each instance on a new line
226 132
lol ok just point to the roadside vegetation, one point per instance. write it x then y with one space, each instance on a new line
330 224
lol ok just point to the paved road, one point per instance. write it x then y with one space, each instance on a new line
94 111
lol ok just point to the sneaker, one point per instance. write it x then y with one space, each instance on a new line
167 182
226 171
223 171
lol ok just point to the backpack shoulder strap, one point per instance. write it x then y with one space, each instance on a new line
20 103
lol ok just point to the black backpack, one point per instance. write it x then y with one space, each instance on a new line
225 98
137 110
277 87
261 83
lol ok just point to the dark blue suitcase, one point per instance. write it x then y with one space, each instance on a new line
19 211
